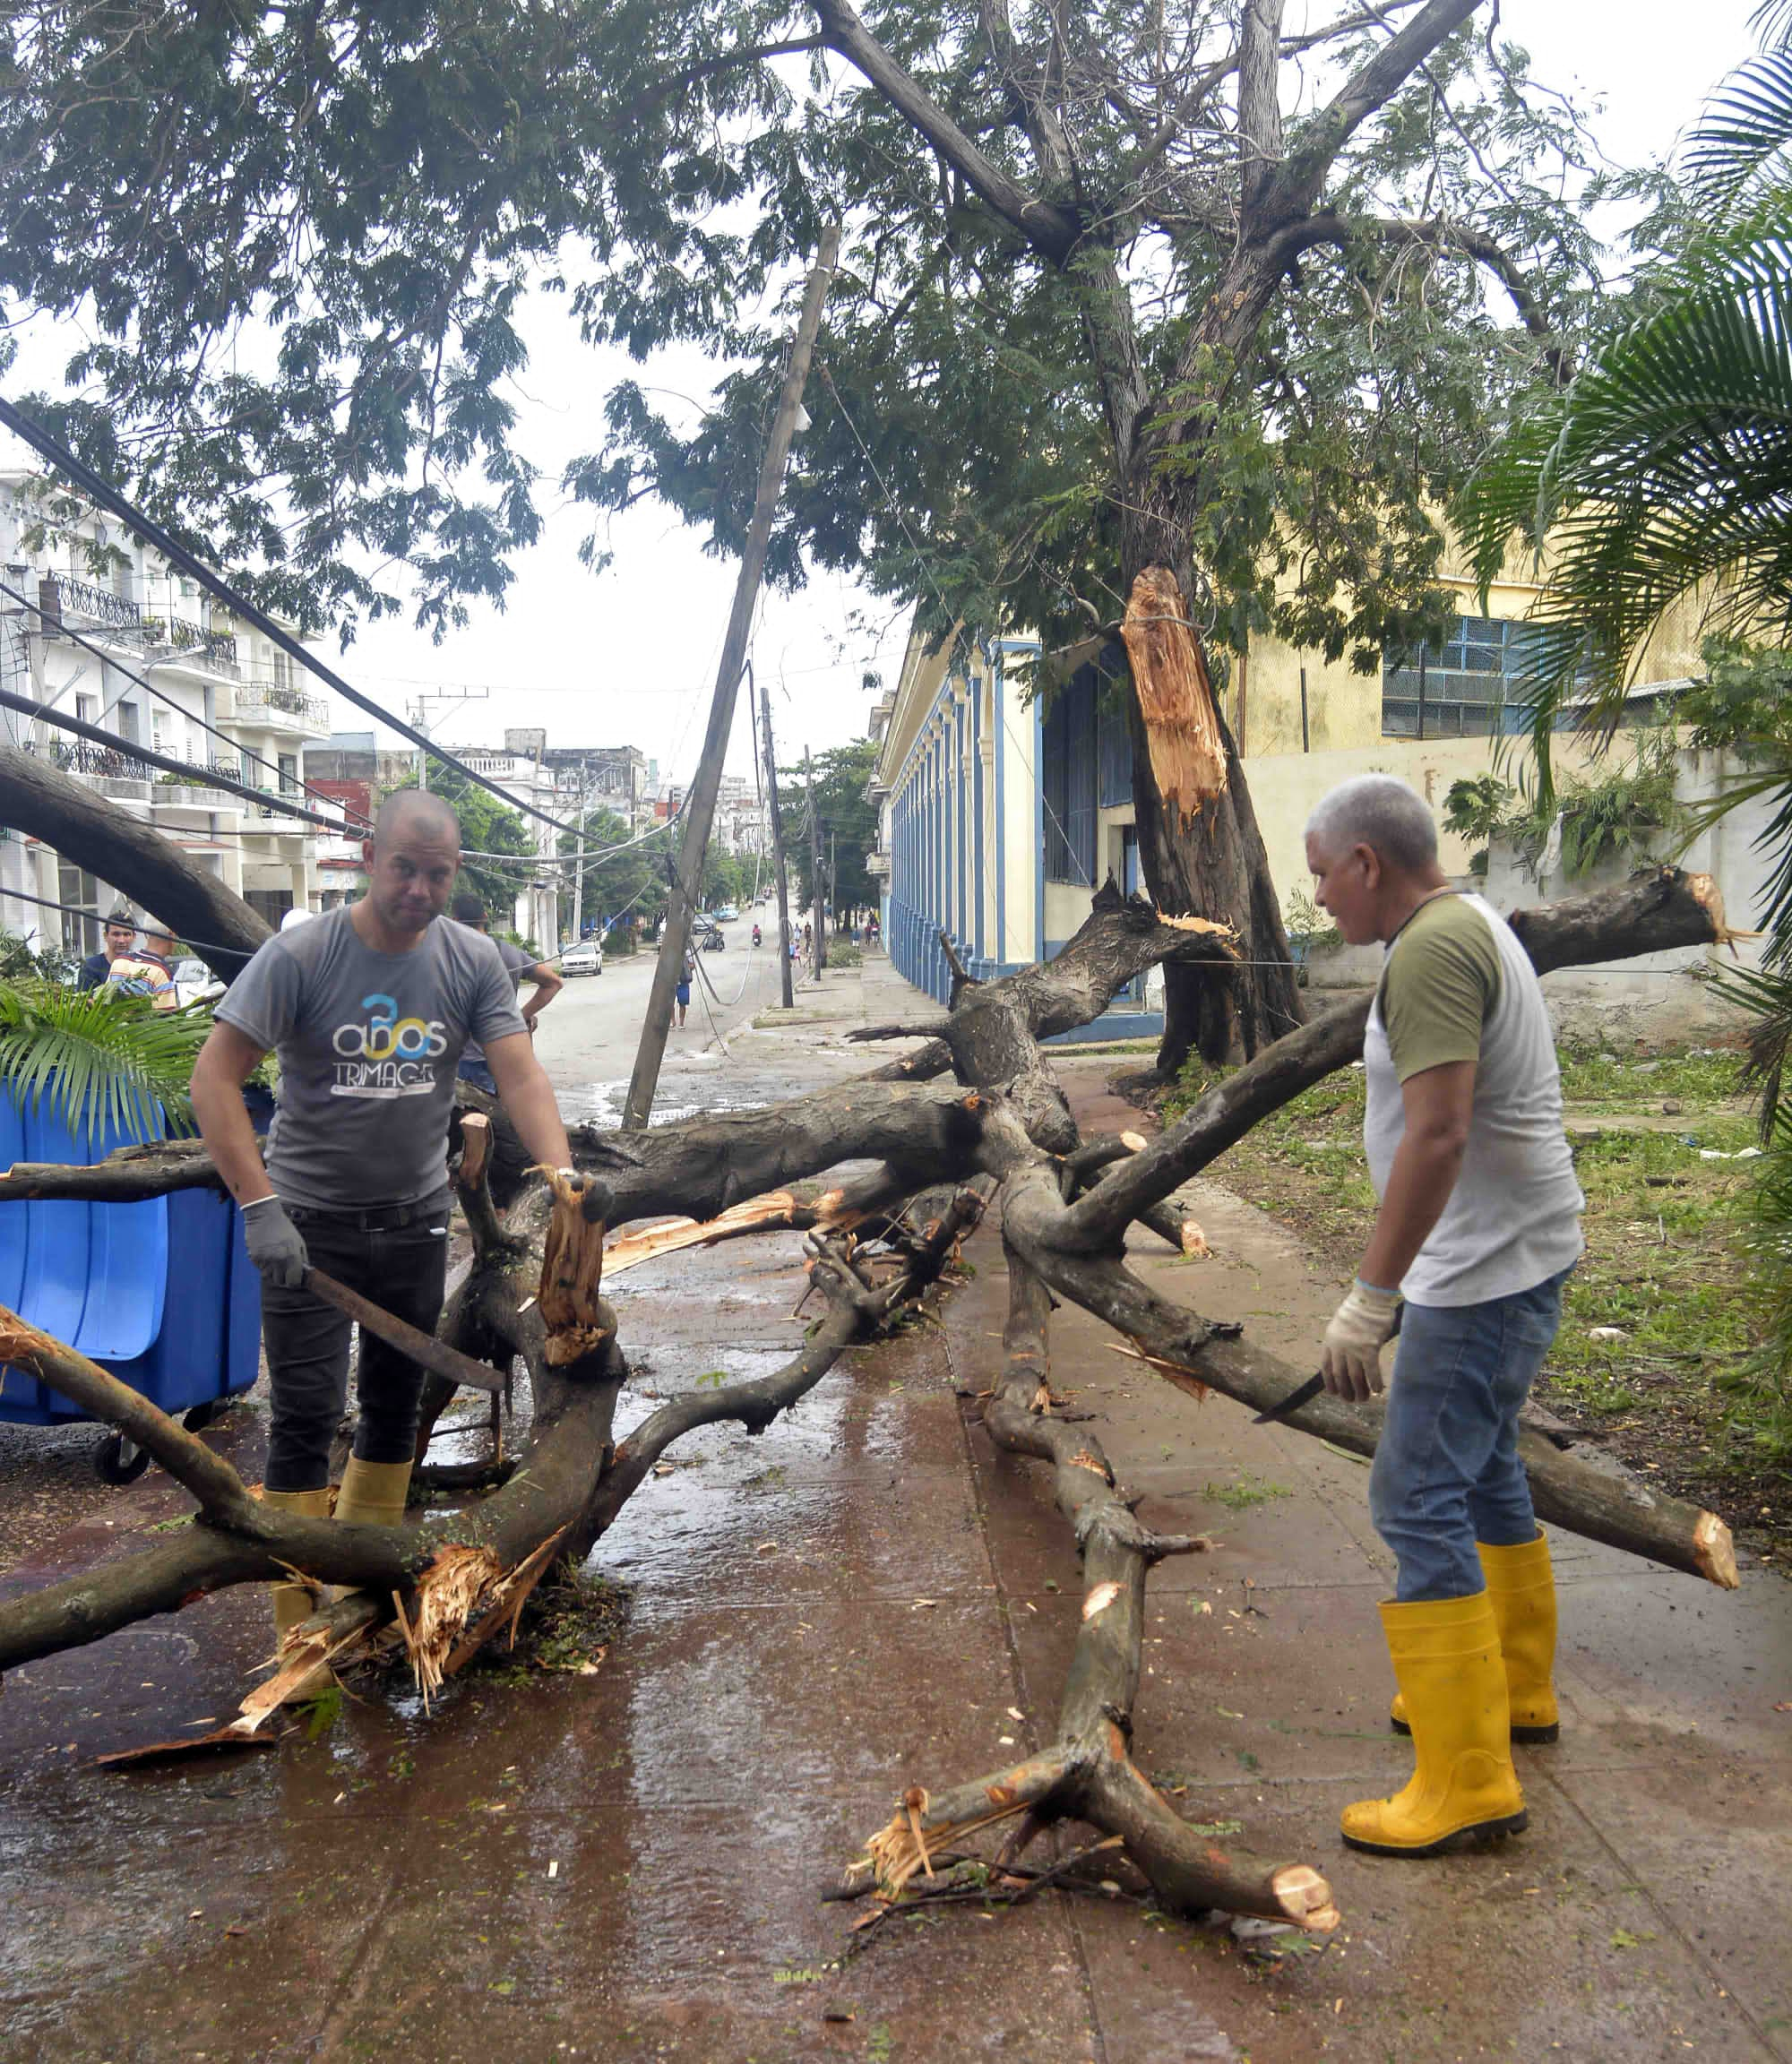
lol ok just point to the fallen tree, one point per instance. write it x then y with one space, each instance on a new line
998 1134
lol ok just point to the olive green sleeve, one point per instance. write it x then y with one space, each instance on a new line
1442 984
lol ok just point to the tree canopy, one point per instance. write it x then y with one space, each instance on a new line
298 265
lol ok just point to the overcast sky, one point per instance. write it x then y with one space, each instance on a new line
628 657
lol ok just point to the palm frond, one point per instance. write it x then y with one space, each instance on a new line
1665 472
1745 129
104 1060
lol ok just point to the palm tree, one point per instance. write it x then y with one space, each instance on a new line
1664 473
105 1062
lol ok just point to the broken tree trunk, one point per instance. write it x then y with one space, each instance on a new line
1088 1772
1198 836
1067 1205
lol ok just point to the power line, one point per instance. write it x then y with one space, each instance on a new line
92 917
106 658
109 497
199 777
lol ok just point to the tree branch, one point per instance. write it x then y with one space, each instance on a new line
1434 233
1296 186
1655 910
1051 230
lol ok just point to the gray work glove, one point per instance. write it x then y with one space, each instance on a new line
276 1246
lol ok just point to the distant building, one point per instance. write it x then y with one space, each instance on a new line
205 667
607 777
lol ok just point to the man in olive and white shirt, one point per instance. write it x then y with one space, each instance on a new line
369 1008
1478 1226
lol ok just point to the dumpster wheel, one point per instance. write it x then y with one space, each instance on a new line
119 1460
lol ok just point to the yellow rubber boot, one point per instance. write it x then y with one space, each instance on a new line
1446 1655
293 1602
1521 1588
373 1492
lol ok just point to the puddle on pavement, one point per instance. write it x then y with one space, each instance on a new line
601 1104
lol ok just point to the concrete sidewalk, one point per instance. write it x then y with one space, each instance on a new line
629 1865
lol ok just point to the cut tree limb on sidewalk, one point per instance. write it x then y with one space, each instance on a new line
878 1238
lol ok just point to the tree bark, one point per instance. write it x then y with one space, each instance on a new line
1198 837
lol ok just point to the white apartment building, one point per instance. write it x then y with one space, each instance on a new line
518 768
86 575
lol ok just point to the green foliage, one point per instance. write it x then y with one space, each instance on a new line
847 823
1307 924
1760 1390
614 880
1476 807
1742 703
1628 815
1663 472
18 962
100 1058
1245 1491
377 192
486 826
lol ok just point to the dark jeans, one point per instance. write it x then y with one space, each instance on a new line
397 1256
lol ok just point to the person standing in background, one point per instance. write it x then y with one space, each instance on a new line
521 967
120 935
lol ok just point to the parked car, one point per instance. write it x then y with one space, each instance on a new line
726 914
196 982
586 957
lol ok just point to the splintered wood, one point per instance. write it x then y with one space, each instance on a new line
756 1215
1176 698
446 1593
572 1309
903 1846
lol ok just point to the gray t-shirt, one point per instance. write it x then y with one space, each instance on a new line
369 1044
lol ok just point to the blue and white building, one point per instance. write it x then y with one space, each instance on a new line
999 817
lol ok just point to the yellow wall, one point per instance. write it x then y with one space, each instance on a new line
1286 786
1344 708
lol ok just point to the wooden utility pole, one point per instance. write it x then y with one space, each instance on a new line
816 869
778 856
701 808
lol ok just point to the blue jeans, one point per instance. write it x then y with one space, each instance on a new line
1446 1472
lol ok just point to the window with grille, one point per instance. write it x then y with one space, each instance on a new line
77 889
1462 687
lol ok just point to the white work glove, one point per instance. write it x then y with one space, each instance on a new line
276 1246
1350 1356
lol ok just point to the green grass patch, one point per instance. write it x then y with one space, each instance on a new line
1244 1492
1700 1079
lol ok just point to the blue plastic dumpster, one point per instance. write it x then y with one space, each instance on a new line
162 1294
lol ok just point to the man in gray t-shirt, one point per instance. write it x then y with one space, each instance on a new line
368 1010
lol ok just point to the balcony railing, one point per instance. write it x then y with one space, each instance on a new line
85 759
256 698
74 597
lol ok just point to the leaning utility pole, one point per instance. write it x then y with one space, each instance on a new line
816 870
700 806
778 856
